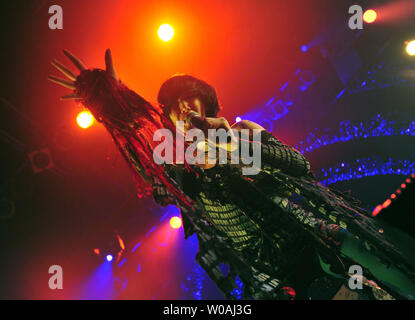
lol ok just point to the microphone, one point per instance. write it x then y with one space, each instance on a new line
195 119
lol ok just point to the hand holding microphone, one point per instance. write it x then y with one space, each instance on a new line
195 119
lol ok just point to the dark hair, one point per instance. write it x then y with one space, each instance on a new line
185 86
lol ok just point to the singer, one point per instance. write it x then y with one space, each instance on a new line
260 226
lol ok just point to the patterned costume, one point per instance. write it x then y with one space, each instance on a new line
257 225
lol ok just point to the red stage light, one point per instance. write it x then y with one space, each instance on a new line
290 292
377 210
387 203
369 16
175 222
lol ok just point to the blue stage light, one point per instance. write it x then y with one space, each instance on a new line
304 48
109 257
379 126
366 167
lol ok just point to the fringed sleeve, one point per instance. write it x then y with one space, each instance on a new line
132 122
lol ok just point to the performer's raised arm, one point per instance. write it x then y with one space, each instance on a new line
130 119
276 153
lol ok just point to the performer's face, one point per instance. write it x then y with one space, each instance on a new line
184 106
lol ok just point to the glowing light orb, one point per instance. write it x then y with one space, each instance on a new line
377 210
387 203
175 222
109 257
410 48
369 16
85 119
237 119
165 32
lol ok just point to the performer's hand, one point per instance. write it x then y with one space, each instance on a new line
217 123
70 84
213 123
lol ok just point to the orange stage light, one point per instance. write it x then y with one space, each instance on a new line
369 16
165 32
410 48
85 119
175 222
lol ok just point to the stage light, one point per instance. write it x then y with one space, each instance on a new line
237 119
410 48
85 119
175 222
369 16
304 48
109 257
387 203
120 242
377 210
165 32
